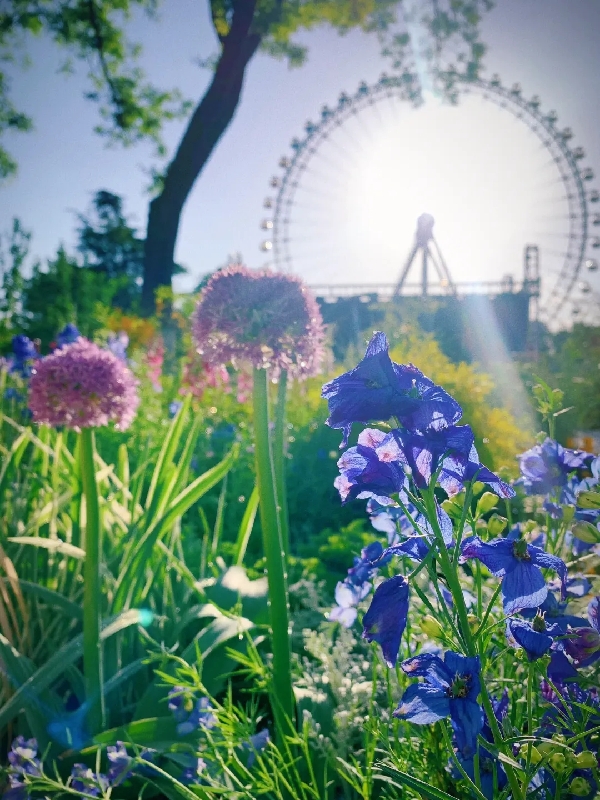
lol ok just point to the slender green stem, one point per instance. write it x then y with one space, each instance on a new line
279 458
92 590
275 557
451 573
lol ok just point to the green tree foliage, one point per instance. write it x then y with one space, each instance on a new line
132 109
92 32
14 249
572 364
63 292
110 247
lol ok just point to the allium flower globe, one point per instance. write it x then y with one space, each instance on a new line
82 386
265 318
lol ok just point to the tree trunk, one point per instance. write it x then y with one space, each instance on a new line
207 124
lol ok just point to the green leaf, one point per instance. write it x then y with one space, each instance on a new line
70 652
51 598
418 785
54 545
246 527
132 573
234 586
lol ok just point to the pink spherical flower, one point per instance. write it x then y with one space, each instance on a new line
266 318
82 386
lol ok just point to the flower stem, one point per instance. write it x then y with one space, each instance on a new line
279 453
92 590
275 556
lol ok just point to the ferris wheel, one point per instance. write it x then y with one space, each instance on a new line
342 208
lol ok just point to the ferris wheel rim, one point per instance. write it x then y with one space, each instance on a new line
543 125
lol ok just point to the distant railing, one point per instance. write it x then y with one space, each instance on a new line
385 291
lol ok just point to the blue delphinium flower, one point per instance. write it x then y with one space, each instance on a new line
68 335
347 598
451 448
583 643
175 408
23 761
364 474
256 744
391 519
193 773
357 585
450 690
554 613
385 619
24 351
546 467
518 564
377 389
536 637
189 714
416 542
121 764
488 764
88 782
118 345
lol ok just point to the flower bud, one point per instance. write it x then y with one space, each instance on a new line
589 500
496 524
568 514
473 621
486 502
579 787
586 532
431 627
581 643
586 760
534 753
557 762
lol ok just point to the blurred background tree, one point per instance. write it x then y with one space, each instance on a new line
133 110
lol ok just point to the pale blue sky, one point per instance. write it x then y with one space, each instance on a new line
550 46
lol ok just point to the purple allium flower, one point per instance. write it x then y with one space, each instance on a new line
82 386
365 473
547 466
265 318
385 619
450 690
68 335
378 389
518 564
535 637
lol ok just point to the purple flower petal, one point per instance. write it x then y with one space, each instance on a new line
385 620
423 704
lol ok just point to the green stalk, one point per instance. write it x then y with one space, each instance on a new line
279 454
92 590
275 557
451 573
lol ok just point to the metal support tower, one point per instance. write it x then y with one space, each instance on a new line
424 243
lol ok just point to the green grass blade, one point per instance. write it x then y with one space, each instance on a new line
50 598
167 452
54 545
425 789
132 573
55 666
246 527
